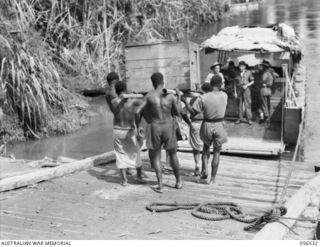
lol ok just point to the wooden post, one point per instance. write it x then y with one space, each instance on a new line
50 173
295 206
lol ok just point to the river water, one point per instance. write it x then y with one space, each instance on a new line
95 138
303 15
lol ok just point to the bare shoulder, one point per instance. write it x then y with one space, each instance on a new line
224 94
115 100
171 96
149 95
152 96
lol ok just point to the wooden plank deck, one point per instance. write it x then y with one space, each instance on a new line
248 139
92 205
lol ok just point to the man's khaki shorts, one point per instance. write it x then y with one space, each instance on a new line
213 133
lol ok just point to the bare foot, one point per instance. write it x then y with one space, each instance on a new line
179 185
129 172
140 180
204 176
196 172
157 189
124 183
211 181
202 181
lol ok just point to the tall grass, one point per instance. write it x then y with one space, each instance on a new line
32 85
27 74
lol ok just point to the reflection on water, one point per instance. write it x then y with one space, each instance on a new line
303 15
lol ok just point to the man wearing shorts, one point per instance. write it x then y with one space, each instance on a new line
213 106
161 128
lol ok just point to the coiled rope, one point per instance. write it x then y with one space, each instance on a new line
221 211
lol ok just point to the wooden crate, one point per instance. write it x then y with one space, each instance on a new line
177 61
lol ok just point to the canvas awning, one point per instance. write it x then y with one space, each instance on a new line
277 38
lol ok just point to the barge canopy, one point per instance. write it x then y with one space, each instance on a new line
274 38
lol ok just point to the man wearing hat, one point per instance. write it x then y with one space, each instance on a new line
265 91
215 70
245 81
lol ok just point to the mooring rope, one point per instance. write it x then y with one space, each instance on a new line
285 188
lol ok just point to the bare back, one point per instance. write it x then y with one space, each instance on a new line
160 107
124 112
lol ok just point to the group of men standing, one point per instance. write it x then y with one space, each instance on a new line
242 79
203 113
160 109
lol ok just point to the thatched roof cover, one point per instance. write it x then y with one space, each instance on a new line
276 38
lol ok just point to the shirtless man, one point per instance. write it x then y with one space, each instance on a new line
161 128
213 106
126 138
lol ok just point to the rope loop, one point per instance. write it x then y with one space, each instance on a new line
222 211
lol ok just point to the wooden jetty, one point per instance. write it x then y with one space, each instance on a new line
254 184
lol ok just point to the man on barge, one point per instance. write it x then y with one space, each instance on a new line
243 90
265 91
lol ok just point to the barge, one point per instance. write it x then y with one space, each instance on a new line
186 64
